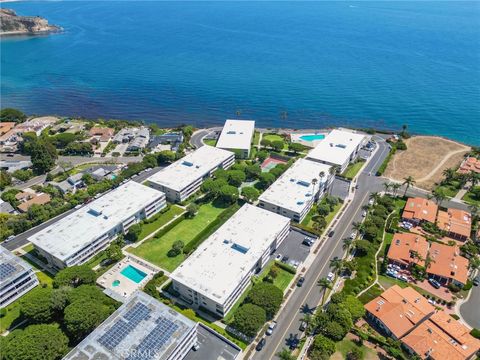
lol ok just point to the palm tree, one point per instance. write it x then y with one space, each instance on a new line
439 196
337 265
314 182
374 196
347 244
285 354
408 181
395 188
474 210
333 171
358 226
321 175
387 186
474 179
324 284
449 174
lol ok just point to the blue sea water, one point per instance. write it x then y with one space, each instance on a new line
284 64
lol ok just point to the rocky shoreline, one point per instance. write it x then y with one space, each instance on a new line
12 24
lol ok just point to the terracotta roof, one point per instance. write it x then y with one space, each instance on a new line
104 133
468 165
431 339
420 209
447 262
455 221
6 127
402 246
38 199
400 309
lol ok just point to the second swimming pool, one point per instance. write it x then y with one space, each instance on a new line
133 274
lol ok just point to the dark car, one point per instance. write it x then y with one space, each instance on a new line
300 281
260 344
434 283
476 281
331 233
285 259
303 326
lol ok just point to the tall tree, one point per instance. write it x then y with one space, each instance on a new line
324 285
408 181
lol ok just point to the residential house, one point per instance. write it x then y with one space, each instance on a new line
103 134
407 249
27 199
418 210
470 164
447 265
457 223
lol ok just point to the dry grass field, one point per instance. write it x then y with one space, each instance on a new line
425 159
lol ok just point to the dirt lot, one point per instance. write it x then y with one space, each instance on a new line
425 159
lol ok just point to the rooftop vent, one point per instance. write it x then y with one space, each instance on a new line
187 163
240 248
342 146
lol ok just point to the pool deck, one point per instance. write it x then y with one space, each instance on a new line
295 137
126 287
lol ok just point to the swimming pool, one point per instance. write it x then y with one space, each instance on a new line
133 274
312 137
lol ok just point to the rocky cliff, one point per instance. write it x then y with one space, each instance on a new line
12 24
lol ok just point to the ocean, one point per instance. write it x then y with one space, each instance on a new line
284 64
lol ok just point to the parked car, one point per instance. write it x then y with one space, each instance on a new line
371 202
300 281
476 281
330 276
278 257
78 206
261 344
10 238
331 233
272 326
303 326
285 259
195 347
10 155
364 213
307 241
353 235
434 283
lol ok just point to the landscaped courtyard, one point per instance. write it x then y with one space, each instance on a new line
159 220
155 250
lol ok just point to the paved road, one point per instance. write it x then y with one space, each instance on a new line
469 310
196 139
305 299
21 239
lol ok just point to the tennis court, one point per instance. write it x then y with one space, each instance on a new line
270 162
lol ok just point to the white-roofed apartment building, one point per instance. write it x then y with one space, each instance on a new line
219 271
237 136
77 237
16 277
295 191
184 177
339 148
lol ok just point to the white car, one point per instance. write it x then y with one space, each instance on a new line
364 213
371 202
353 235
278 257
272 326
330 276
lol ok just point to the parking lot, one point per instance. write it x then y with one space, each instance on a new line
293 248
212 347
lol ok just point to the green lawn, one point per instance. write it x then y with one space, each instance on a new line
469 198
159 220
256 138
308 219
155 250
211 142
370 294
275 137
346 345
352 170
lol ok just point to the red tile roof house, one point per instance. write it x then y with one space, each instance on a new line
407 316
468 165
457 223
447 266
397 311
419 210
405 247
441 337
104 134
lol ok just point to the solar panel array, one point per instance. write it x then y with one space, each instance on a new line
6 270
123 327
154 341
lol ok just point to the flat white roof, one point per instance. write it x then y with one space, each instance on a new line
294 188
236 134
218 265
11 266
142 328
337 147
191 167
68 235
